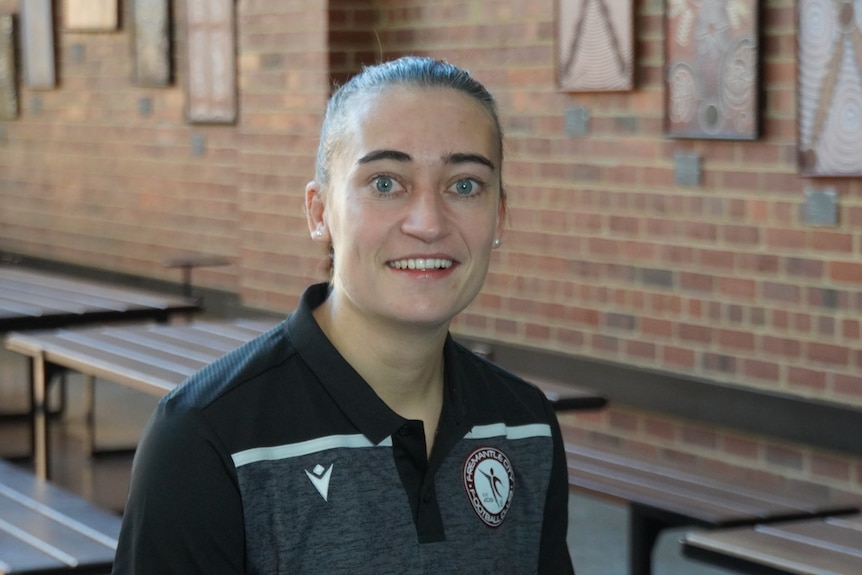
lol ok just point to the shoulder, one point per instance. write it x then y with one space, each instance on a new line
247 362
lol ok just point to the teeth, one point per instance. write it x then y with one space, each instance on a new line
421 264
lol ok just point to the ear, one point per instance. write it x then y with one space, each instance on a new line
501 218
315 208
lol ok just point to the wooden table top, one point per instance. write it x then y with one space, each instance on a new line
156 358
825 546
31 299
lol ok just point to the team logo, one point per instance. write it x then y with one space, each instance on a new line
490 483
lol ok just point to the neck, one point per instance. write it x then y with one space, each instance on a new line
403 364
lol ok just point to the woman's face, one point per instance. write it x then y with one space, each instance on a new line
413 206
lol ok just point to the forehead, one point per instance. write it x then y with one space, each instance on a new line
420 120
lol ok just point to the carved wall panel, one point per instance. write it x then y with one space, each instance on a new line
595 45
152 43
37 40
711 69
8 73
211 90
90 15
830 87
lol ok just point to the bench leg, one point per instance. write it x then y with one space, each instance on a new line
643 534
90 406
39 422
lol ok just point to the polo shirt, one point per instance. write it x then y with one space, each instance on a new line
280 458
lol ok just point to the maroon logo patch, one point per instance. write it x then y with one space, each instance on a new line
490 483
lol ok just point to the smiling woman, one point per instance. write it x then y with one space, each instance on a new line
358 437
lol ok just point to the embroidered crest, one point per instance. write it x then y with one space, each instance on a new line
490 483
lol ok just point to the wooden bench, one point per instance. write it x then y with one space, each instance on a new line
31 299
825 546
661 496
47 530
156 358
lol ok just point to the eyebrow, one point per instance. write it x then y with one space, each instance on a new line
469 159
384 155
455 158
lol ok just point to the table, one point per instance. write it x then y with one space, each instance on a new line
47 530
31 299
156 358
661 495
826 546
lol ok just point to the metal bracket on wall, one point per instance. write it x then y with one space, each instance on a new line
686 169
577 121
820 207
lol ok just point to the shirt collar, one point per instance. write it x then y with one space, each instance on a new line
365 410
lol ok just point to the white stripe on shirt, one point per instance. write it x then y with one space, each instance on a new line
358 441
502 430
291 450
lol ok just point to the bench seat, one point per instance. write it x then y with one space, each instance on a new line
47 530
826 546
660 496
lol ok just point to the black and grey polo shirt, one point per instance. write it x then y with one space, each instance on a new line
280 458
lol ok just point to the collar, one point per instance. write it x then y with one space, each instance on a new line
357 400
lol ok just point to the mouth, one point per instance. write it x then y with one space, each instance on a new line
422 264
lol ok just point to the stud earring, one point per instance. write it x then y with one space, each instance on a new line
318 233
497 242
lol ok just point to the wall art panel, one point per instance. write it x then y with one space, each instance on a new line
595 45
711 69
37 40
211 90
90 15
830 87
8 74
152 43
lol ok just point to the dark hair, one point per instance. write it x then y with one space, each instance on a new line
406 71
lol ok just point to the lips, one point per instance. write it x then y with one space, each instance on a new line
421 264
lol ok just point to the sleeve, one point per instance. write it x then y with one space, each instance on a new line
554 551
184 512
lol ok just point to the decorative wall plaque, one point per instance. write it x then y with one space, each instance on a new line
90 15
595 45
37 40
830 87
711 74
152 44
8 75
211 60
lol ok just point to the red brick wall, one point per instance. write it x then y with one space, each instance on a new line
86 178
284 84
604 256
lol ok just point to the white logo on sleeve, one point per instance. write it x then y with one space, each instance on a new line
490 483
319 477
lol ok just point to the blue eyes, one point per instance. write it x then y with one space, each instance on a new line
465 187
384 184
388 186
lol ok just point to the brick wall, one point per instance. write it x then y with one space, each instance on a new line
101 172
284 84
604 255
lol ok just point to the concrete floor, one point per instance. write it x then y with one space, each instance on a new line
597 530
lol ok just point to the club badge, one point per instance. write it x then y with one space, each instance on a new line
490 483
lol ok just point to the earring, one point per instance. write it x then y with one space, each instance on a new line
318 233
497 242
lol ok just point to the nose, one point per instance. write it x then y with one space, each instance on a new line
426 216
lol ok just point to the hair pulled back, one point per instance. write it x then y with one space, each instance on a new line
416 71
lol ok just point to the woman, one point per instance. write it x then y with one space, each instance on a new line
357 436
